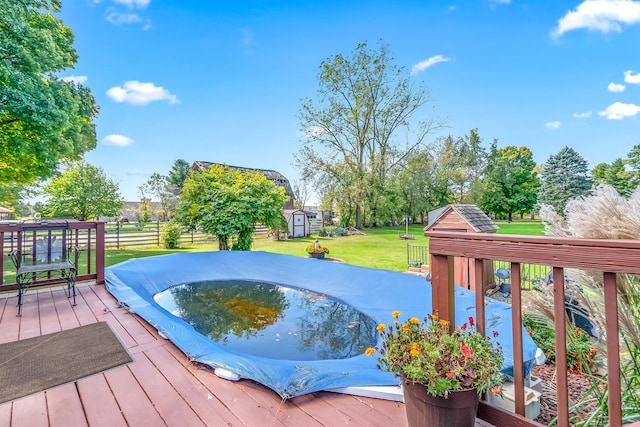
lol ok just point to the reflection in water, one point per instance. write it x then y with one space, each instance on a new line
271 321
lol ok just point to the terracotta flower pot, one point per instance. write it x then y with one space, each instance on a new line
423 409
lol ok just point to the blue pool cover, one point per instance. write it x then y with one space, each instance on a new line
374 292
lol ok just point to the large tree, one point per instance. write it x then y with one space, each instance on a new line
509 183
83 192
43 119
358 129
564 176
228 203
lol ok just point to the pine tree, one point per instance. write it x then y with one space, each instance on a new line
565 176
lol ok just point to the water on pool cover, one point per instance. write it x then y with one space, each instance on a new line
271 321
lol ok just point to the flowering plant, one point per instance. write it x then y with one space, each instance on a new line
315 248
428 353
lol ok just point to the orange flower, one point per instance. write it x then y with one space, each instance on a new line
406 329
444 323
496 390
381 327
369 351
414 321
396 314
415 350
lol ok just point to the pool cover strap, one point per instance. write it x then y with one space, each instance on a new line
36 364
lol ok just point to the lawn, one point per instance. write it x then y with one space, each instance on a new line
378 248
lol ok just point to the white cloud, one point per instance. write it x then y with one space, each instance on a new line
614 87
117 140
147 26
552 125
423 65
629 77
133 4
599 15
117 18
75 79
582 115
619 111
140 93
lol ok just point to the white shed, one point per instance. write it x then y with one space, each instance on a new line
298 223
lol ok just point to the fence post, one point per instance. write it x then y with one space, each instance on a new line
158 231
99 253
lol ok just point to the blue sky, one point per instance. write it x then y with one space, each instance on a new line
222 81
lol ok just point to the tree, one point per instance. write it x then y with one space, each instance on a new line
177 175
509 183
615 175
158 186
83 192
43 119
359 130
564 177
463 162
229 203
301 192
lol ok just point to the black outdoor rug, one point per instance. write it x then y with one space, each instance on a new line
36 364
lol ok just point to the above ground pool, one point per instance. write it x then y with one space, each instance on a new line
296 325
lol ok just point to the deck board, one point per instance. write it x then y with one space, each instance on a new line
162 386
64 407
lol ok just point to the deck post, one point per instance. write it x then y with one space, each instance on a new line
442 296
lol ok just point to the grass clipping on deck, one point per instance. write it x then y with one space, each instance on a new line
37 364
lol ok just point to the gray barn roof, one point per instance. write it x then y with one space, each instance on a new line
471 214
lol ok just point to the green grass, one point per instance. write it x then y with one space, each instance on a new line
526 228
379 248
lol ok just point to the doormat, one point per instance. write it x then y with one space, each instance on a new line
37 364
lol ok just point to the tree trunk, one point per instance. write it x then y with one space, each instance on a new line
510 217
222 243
358 217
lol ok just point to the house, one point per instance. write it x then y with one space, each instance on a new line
5 214
276 177
463 218
298 223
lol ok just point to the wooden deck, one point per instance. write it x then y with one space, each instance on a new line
161 387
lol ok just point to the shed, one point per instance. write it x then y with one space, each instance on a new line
298 223
463 218
5 214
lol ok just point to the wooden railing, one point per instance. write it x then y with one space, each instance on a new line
88 236
610 257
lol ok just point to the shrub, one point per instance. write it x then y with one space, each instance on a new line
341 232
170 236
580 354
